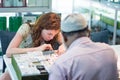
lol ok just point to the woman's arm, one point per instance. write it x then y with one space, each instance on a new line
23 32
14 44
13 47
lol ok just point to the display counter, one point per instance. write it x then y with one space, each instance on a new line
14 75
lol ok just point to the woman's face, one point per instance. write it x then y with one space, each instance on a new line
48 35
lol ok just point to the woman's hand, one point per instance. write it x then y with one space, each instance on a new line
61 49
45 47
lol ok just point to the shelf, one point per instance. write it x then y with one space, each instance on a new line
29 6
116 8
107 4
25 9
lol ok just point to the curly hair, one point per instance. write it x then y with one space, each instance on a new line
48 21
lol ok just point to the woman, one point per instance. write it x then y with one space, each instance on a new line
42 35
39 36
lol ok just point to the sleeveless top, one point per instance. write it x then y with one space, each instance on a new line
24 31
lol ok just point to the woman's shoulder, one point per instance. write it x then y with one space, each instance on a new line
26 26
29 24
24 29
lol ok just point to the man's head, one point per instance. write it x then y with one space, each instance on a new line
73 27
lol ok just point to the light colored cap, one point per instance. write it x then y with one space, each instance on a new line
73 22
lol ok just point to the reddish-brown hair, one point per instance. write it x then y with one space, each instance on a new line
49 21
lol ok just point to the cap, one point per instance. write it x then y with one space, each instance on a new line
73 22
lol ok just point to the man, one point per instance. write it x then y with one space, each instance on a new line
84 59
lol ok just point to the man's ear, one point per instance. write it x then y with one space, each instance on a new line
89 31
65 38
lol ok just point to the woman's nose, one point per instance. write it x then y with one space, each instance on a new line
51 37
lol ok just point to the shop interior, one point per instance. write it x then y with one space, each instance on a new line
103 17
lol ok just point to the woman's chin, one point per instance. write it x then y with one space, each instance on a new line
47 40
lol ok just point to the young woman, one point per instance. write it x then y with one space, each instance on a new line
41 35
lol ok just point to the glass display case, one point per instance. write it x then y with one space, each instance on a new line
101 15
105 16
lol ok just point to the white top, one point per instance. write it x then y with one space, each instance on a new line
24 30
